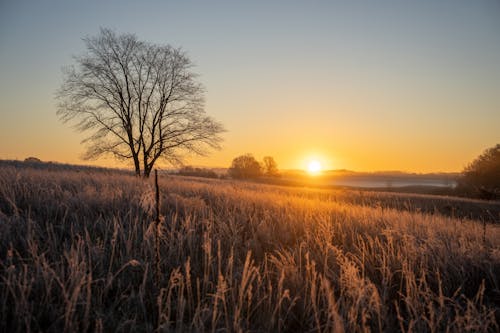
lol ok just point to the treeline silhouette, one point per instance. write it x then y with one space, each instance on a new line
36 163
197 172
481 178
247 167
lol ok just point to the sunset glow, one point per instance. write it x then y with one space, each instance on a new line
265 166
314 167
408 87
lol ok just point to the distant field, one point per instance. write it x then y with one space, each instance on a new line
77 253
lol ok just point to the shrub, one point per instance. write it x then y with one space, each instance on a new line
245 166
481 178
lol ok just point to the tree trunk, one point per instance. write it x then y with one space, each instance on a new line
147 169
137 165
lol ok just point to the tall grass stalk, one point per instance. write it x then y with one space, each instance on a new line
77 251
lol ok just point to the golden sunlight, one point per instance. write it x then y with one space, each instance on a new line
314 167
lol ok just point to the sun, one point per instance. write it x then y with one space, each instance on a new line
314 167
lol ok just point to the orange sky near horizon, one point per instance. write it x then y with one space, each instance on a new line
361 86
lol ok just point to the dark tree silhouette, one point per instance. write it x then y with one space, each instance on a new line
270 167
139 100
483 174
32 159
245 166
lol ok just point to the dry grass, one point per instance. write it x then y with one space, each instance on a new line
77 254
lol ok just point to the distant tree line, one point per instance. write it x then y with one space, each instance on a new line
480 179
37 164
247 167
242 167
197 172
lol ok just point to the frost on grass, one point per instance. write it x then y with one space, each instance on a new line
77 253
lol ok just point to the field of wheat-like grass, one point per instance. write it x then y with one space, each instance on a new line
78 253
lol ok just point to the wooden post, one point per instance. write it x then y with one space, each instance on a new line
157 231
484 232
157 197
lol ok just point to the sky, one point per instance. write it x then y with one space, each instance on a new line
360 85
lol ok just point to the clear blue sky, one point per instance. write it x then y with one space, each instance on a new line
364 85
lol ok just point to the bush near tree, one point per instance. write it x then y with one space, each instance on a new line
270 167
245 166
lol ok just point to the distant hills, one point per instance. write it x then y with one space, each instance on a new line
36 163
351 173
338 177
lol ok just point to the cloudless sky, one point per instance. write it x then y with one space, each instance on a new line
361 85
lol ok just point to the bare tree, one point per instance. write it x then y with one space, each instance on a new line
139 100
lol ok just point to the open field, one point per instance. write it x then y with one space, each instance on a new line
77 253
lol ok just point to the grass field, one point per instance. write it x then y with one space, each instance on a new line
78 253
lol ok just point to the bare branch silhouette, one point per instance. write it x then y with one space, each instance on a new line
138 100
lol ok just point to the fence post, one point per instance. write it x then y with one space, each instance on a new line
157 230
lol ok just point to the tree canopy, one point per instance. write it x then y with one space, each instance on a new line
138 100
483 174
245 166
270 166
